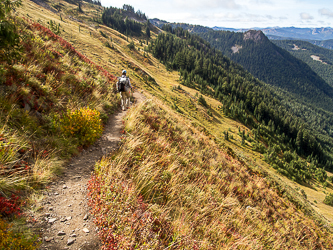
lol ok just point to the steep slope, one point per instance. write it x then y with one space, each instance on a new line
176 180
319 59
328 44
182 190
53 100
267 62
273 65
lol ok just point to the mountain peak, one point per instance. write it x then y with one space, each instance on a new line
255 35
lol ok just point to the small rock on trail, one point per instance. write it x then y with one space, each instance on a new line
65 204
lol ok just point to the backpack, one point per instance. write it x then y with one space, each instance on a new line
122 84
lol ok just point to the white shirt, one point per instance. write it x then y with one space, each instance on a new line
126 87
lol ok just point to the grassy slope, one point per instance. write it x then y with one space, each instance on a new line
173 185
324 69
91 44
49 80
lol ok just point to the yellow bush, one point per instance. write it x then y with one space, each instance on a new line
84 124
11 240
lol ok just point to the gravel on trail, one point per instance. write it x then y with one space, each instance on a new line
64 220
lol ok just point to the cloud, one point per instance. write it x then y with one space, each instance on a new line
306 16
199 4
229 15
254 19
269 2
325 12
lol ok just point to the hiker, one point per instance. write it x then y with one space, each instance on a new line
124 87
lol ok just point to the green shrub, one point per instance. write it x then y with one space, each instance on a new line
131 45
11 240
103 34
329 200
202 101
303 194
330 179
107 44
321 175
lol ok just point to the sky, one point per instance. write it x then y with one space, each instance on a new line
237 13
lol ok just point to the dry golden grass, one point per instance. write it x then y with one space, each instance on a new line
192 193
89 41
49 79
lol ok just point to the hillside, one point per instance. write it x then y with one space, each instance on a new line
319 59
267 62
192 172
273 65
262 57
54 101
327 44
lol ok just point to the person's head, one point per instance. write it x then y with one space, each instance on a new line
124 72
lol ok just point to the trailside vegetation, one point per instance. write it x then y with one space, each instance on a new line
53 101
171 186
250 101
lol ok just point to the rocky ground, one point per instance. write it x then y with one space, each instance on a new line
64 221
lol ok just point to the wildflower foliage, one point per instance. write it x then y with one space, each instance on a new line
84 124
9 206
171 186
52 99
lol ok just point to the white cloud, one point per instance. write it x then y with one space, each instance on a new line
268 2
199 4
326 12
306 16
225 16
236 13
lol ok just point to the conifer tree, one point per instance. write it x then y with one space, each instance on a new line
9 38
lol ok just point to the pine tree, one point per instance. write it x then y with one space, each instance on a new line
148 29
9 38
226 135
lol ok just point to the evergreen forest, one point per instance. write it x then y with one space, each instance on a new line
308 52
254 103
124 20
273 65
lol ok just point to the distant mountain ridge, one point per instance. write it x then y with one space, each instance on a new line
266 61
272 64
324 33
322 37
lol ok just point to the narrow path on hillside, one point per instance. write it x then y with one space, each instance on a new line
65 222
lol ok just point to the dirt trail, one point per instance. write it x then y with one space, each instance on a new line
65 222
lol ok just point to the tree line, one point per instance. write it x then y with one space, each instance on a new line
117 19
244 97
273 65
